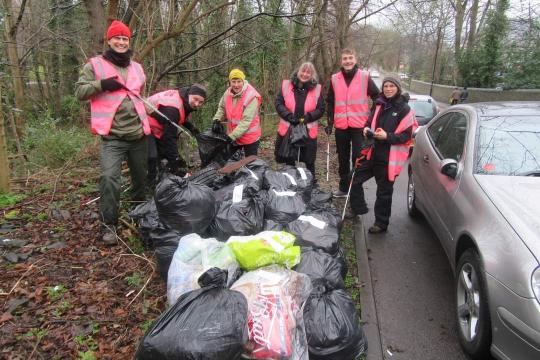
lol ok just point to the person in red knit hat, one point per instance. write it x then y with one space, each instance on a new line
112 83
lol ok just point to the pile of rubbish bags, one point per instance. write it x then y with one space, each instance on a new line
253 268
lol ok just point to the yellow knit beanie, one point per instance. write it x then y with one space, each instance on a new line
237 74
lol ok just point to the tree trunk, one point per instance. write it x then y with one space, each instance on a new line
10 35
4 162
472 24
460 15
96 15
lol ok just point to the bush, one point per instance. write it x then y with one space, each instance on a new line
46 143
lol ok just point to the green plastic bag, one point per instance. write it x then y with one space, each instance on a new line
265 248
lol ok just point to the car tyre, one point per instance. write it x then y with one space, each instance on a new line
472 310
411 198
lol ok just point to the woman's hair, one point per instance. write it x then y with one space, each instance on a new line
309 66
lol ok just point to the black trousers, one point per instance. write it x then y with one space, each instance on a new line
347 140
251 149
385 189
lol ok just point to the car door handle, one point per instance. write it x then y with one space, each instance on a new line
426 159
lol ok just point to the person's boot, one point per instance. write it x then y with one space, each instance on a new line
377 229
109 236
339 194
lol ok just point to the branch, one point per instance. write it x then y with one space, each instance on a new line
167 35
372 13
13 29
221 63
205 44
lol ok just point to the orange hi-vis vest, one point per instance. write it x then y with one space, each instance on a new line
234 115
351 107
312 98
103 106
399 153
165 98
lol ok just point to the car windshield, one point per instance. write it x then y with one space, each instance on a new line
509 145
422 108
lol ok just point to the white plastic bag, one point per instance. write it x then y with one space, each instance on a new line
193 256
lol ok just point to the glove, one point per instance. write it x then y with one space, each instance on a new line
230 140
111 84
217 127
328 130
194 131
294 121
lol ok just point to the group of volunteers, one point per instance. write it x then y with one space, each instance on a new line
375 139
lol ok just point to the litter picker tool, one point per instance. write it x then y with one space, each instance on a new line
357 162
327 158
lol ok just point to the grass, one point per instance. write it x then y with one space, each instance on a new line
7 199
56 292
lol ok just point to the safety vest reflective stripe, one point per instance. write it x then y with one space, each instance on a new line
351 106
351 102
310 104
165 98
234 114
347 115
104 105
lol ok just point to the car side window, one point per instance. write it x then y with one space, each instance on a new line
436 128
451 139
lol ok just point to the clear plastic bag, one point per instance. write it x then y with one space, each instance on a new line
275 323
193 256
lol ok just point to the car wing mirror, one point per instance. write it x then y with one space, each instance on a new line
449 167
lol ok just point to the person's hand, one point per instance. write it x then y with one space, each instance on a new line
294 121
358 161
194 131
230 140
380 134
217 127
111 84
328 130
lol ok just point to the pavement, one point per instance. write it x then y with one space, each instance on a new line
407 293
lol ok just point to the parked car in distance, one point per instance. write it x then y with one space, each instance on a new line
475 177
375 73
403 76
425 108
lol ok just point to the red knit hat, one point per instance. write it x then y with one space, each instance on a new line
118 28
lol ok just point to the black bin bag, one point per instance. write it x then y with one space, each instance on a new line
283 206
165 243
314 229
317 264
214 147
184 206
147 219
204 324
341 337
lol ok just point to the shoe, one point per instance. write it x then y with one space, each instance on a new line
377 229
339 194
109 235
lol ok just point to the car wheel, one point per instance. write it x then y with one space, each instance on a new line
472 311
411 198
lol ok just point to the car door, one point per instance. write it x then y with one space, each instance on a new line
447 137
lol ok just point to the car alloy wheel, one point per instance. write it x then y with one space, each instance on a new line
472 311
411 197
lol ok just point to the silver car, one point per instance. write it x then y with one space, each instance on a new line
475 176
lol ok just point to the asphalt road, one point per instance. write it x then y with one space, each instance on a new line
407 300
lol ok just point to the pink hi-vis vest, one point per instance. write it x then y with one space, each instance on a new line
399 153
234 115
103 106
165 98
311 104
351 107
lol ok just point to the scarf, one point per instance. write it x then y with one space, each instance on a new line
119 59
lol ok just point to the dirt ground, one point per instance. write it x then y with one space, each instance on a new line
63 294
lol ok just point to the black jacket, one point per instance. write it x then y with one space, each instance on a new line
300 94
372 90
392 112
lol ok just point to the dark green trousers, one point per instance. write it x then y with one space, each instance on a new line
113 152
